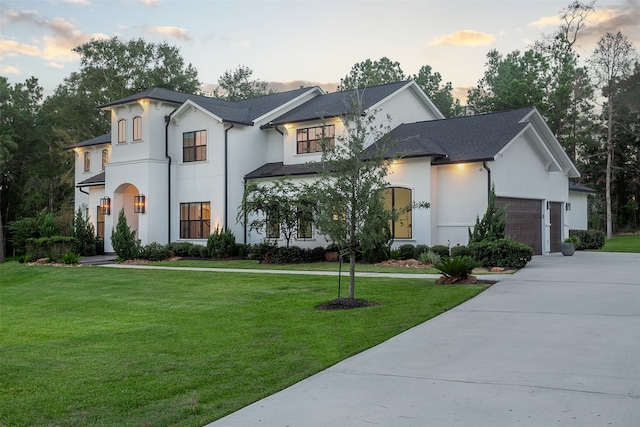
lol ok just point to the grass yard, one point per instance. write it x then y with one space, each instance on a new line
623 243
95 346
314 266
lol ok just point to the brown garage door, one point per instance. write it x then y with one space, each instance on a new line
555 217
524 221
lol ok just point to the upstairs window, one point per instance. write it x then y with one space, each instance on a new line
137 128
105 158
398 199
122 130
311 140
87 161
194 146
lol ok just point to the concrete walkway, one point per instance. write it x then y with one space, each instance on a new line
556 344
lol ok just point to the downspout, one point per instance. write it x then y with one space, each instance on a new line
226 176
82 191
167 120
484 165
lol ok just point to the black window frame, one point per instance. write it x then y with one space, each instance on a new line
392 205
202 228
313 138
195 152
122 131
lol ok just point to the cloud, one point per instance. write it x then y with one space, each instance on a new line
12 48
624 18
169 31
150 3
464 38
81 2
546 21
9 69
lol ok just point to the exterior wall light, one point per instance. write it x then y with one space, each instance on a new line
105 205
139 203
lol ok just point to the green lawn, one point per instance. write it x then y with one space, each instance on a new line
623 243
101 346
314 266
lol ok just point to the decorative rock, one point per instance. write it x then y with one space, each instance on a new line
497 270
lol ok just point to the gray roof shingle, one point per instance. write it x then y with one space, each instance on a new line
338 103
94 180
102 139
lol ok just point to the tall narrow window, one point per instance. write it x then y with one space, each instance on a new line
194 146
105 158
398 199
137 128
305 221
273 227
122 130
87 161
315 139
195 220
100 222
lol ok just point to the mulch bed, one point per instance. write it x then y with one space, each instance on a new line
346 304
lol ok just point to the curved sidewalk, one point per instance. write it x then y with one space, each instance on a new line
557 343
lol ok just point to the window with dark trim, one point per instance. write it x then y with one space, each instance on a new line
194 146
105 158
398 199
122 130
315 139
100 222
87 161
137 128
305 223
273 227
195 220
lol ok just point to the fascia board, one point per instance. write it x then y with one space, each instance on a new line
553 145
189 106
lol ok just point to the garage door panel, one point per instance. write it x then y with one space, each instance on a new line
524 221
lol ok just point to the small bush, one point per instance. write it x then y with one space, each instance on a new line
460 250
154 251
456 268
84 231
441 250
407 251
316 254
70 258
588 239
260 250
395 254
502 253
421 249
123 239
221 244
429 257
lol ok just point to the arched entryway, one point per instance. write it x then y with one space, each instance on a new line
123 198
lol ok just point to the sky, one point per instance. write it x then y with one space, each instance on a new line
294 43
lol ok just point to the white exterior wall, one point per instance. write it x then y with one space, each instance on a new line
403 107
578 215
91 200
460 195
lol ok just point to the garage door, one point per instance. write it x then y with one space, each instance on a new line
524 221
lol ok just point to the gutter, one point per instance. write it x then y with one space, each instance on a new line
226 176
167 120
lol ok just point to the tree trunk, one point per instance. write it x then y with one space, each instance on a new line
609 167
352 276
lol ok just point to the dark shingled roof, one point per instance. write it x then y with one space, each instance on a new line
461 139
94 180
581 188
276 169
244 111
102 139
338 103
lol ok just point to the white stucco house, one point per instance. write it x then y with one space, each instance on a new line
177 164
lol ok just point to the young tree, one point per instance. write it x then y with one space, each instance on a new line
236 85
492 225
611 61
352 177
372 73
277 208
123 239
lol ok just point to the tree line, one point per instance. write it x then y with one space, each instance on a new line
592 108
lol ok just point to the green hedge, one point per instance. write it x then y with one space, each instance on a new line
501 253
293 255
54 247
588 239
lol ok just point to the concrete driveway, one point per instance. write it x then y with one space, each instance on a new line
556 344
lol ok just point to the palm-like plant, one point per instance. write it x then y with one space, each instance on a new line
455 269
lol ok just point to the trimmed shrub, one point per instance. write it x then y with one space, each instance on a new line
70 258
460 250
221 244
259 251
155 251
407 251
84 231
316 254
588 239
421 249
187 249
123 239
53 248
441 250
501 253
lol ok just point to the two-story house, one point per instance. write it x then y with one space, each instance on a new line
177 164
